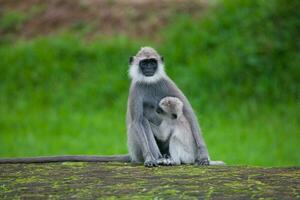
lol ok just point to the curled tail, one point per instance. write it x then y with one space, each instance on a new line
67 158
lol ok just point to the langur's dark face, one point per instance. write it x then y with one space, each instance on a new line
148 67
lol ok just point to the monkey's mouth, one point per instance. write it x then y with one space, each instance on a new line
148 71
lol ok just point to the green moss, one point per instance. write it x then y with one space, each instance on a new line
74 164
29 179
4 189
209 193
117 180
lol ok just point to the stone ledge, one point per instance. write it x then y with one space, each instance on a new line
118 180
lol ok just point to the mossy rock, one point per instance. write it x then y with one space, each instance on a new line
118 180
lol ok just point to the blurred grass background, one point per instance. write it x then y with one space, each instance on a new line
63 88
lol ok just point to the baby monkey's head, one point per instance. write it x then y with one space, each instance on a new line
170 107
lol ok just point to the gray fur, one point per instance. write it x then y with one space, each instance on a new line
143 100
142 120
182 147
174 125
48 159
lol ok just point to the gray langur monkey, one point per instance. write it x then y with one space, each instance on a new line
175 129
148 86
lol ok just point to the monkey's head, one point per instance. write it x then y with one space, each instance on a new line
146 66
171 107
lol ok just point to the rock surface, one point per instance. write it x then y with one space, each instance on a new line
126 181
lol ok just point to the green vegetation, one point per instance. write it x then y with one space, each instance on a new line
12 21
238 65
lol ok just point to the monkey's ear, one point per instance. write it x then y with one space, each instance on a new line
162 58
131 58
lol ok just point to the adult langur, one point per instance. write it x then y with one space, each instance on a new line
148 86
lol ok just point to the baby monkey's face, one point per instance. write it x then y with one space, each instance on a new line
170 107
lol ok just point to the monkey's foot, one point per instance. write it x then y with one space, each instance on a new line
150 163
164 161
203 161
167 162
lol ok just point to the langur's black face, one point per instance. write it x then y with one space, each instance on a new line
148 67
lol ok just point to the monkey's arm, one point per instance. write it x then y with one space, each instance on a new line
202 157
141 128
48 159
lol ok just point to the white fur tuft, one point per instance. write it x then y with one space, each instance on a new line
136 76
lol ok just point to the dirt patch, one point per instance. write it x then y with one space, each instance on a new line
142 18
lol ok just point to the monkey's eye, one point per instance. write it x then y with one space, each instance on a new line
144 63
148 63
152 61
174 116
159 110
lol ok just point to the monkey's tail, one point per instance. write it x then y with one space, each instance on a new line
213 163
67 158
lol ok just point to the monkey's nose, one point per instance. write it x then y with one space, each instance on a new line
174 116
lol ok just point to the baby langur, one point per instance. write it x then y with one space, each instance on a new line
176 129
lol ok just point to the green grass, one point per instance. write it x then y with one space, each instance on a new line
239 67
12 21
243 135
262 135
48 132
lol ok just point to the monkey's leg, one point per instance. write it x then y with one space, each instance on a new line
180 152
202 156
138 147
134 148
139 132
152 142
